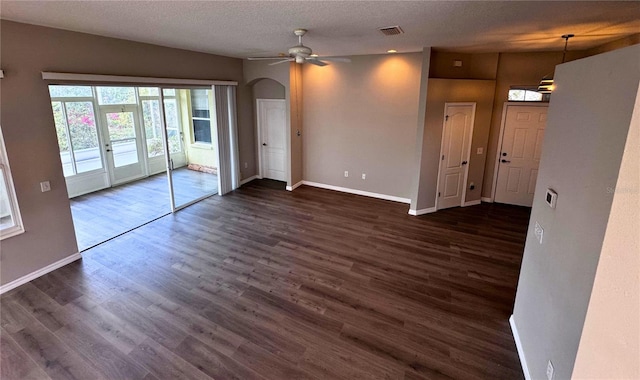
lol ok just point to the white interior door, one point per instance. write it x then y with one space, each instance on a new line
523 133
272 137
454 154
123 143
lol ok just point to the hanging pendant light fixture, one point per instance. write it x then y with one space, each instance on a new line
546 85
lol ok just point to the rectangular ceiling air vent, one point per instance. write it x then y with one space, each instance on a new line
391 30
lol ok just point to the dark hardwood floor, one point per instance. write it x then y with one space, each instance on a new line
268 284
103 214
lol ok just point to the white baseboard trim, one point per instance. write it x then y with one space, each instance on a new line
486 199
358 192
291 188
247 180
472 203
516 337
40 272
422 211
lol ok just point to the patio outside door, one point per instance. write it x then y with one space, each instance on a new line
123 143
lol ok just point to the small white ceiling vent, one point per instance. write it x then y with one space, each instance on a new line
391 30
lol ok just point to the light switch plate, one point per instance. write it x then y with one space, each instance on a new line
480 150
45 186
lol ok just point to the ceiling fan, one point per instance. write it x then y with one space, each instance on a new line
301 54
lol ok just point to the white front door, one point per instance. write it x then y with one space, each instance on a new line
454 154
123 142
520 154
272 119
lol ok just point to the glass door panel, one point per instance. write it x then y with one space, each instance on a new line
124 144
152 127
193 158
77 136
122 133
84 136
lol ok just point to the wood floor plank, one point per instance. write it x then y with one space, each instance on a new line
223 340
213 363
268 284
42 307
13 317
15 363
112 328
53 355
267 364
112 363
164 363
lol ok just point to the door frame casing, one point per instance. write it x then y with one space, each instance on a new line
466 170
259 134
496 166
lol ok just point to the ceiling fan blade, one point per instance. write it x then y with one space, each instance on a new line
336 59
316 62
265 58
283 61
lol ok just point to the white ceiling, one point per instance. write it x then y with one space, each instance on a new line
249 28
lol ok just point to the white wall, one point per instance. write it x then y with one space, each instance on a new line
610 343
589 118
361 117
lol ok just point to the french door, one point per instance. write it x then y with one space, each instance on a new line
123 143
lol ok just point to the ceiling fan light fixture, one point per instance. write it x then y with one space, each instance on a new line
300 54
391 51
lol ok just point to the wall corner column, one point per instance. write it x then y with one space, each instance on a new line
416 200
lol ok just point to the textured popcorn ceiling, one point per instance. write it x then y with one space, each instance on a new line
248 28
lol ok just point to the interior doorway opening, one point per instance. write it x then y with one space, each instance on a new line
131 154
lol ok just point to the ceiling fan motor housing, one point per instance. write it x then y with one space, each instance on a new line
300 51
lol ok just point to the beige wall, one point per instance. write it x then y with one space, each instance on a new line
610 342
29 132
588 123
474 66
268 89
441 91
516 69
361 117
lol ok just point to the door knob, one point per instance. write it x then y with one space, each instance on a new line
464 162
264 144
505 161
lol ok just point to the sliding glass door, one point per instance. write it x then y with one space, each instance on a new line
190 119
